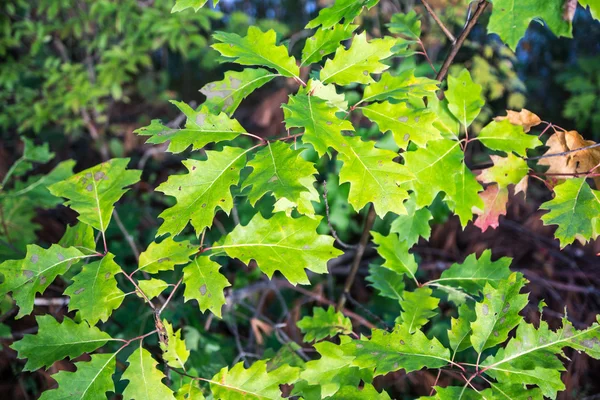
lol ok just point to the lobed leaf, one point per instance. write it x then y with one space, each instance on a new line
325 41
175 353
93 192
164 256
418 306
324 324
201 128
281 243
55 341
507 137
257 48
145 381
464 98
204 283
94 290
345 10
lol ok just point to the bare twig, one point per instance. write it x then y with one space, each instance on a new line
564 153
461 39
362 245
438 21
129 238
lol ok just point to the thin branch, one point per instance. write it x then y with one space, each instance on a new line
362 245
564 153
128 237
333 232
438 21
170 296
461 39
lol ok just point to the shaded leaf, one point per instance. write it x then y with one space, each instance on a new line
325 41
575 209
342 9
55 341
91 381
389 283
324 324
418 307
396 255
414 224
459 335
93 192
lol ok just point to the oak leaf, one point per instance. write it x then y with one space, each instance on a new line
525 118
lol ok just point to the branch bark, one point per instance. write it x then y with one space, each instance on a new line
438 21
461 39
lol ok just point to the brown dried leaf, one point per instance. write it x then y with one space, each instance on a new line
525 118
580 162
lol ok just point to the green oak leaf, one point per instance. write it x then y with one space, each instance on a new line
201 128
33 274
324 324
504 136
18 228
254 383
31 154
257 48
204 283
93 192
498 312
324 42
407 25
281 243
368 392
496 391
506 171
356 64
373 176
389 283
80 236
510 18
164 256
418 306
202 190
189 391
459 334
439 167
227 94
55 341
281 171
396 350
594 7
175 353
322 128
152 287
396 255
414 224
91 381
181 5
145 380
342 9
405 123
328 93
464 98
35 191
575 209
94 290
474 273
332 371
531 356
400 87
